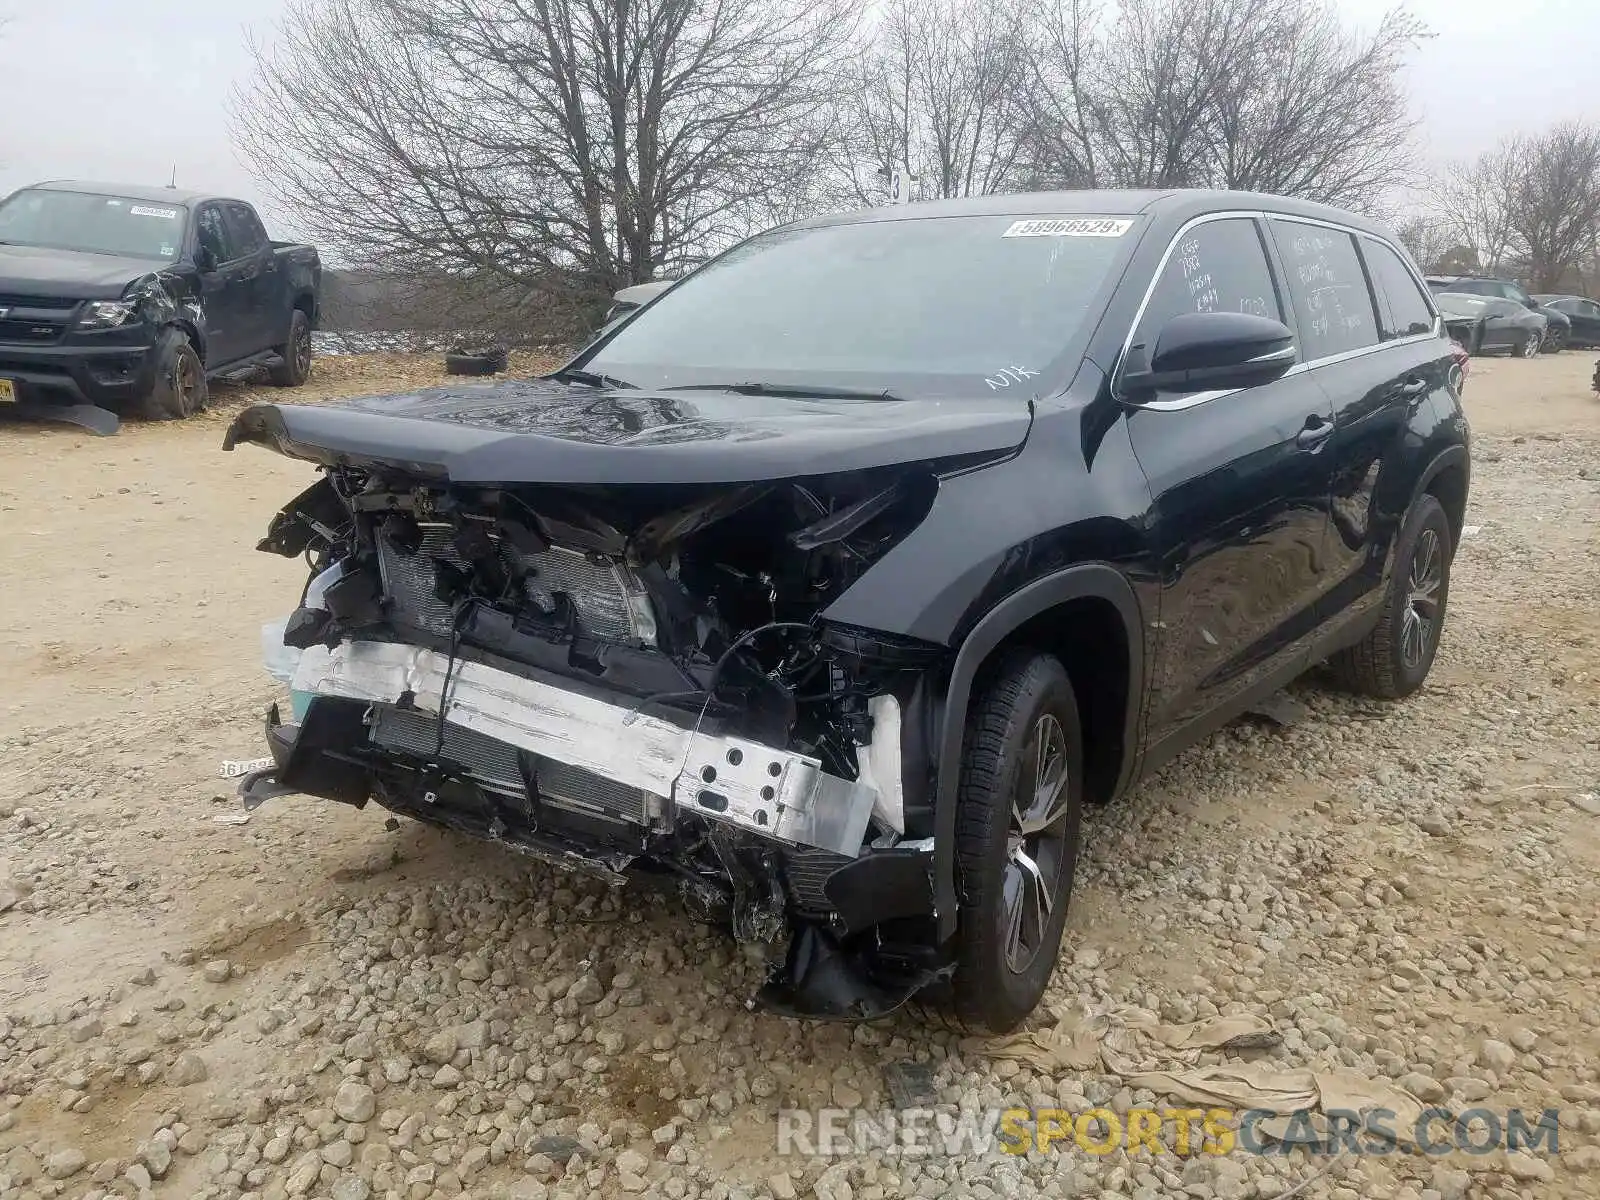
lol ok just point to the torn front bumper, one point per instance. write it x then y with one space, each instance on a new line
764 790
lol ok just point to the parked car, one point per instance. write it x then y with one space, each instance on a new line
116 298
1488 323
1557 326
834 583
1582 313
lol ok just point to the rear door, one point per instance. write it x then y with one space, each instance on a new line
1381 365
1240 486
262 308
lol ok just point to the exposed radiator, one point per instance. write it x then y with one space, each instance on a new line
494 765
609 602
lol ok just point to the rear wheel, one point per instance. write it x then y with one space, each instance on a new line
1394 659
1555 340
294 366
177 379
1016 839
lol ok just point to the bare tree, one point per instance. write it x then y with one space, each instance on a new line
1475 201
1429 240
580 143
1316 110
937 88
1264 95
1555 212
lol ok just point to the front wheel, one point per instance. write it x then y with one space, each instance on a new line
294 356
1392 661
177 379
1016 839
1555 341
1530 344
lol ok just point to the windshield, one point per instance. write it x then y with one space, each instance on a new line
93 223
937 306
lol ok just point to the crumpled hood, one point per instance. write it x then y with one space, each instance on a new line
69 274
544 431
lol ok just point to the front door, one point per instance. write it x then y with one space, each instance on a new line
1240 485
224 291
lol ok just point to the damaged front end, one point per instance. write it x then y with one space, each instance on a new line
634 677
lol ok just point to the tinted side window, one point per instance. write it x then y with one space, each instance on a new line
245 231
1332 301
212 232
1408 310
1219 266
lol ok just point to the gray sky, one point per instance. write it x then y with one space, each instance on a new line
127 89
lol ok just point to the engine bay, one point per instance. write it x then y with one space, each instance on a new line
622 678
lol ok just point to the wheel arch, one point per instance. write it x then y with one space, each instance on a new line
1447 478
1112 629
194 333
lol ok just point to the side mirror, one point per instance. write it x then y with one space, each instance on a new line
205 258
1215 350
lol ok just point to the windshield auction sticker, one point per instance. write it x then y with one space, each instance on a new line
1070 227
166 214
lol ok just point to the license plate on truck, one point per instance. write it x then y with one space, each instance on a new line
8 392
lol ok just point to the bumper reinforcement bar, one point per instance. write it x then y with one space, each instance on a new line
775 793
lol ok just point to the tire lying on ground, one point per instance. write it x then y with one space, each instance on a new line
177 379
488 360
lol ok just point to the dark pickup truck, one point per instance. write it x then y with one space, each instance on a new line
117 299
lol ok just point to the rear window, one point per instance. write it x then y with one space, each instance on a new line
969 305
1328 288
1408 313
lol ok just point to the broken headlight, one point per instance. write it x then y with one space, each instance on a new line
108 314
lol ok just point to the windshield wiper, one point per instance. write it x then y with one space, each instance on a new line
591 378
801 391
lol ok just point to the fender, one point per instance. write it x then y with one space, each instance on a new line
1098 580
1450 456
195 335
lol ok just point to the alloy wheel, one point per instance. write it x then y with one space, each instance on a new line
1530 348
1036 850
1421 619
302 351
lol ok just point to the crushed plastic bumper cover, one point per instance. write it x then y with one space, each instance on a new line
775 793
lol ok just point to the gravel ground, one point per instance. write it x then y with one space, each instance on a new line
310 1004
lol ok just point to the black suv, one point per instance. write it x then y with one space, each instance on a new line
831 585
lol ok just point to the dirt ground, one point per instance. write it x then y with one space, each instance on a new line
130 664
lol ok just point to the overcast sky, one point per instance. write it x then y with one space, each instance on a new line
127 90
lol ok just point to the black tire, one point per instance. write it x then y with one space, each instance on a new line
1529 347
1555 341
294 367
1390 662
489 361
993 989
176 379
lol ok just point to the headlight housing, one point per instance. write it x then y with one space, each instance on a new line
108 314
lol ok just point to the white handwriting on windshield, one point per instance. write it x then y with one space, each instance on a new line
1007 376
